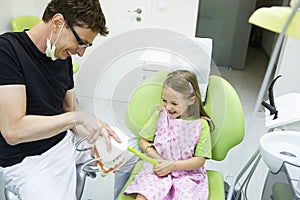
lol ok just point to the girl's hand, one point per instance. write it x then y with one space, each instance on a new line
164 168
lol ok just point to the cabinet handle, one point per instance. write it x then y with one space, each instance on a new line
138 10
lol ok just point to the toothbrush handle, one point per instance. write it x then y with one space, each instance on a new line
143 156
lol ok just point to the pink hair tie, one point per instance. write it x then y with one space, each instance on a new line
191 88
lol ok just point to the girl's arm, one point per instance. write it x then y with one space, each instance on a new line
167 166
189 164
149 150
202 151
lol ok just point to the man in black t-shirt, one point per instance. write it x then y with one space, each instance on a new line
38 112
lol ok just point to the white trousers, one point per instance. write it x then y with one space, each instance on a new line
49 176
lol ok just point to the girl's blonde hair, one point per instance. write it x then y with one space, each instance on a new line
185 82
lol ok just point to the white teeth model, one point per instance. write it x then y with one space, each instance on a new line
109 162
117 162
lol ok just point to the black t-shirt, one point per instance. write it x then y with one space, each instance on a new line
46 84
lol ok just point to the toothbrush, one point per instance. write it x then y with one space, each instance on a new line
143 156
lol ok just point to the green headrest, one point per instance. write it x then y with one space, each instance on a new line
142 101
20 23
224 108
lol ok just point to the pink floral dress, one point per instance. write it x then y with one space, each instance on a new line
175 139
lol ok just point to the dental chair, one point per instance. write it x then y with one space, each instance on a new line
21 23
221 103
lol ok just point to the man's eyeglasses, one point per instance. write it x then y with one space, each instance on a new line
81 44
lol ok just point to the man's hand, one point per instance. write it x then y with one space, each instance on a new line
94 127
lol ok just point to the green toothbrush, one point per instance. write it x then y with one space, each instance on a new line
143 156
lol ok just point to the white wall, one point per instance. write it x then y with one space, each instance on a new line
288 67
5 15
156 13
12 8
226 22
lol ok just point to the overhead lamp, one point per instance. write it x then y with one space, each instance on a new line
284 20
274 19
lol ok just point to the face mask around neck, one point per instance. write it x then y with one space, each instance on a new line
50 49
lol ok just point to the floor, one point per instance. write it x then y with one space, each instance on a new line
247 83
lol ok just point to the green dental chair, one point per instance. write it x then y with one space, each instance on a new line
223 106
21 23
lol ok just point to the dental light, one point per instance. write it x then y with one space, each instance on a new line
274 19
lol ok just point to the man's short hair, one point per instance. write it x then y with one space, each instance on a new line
85 14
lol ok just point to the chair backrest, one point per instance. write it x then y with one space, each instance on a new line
222 104
142 101
20 23
224 108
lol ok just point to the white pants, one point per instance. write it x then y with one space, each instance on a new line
49 176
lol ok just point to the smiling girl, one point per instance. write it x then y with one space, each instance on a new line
181 144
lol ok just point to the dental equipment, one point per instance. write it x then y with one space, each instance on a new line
293 30
107 162
271 106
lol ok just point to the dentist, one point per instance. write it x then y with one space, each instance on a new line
39 116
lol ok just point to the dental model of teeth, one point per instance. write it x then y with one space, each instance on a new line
110 161
106 167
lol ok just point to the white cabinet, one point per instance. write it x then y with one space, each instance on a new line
177 15
127 15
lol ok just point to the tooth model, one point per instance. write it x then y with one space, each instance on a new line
110 161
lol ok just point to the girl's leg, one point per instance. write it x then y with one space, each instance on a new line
140 197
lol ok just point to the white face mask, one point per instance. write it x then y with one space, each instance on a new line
50 50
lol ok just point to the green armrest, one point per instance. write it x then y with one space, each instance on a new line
215 185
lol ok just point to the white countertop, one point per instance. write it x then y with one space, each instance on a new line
288 107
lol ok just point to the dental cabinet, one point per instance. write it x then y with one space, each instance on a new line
282 185
280 149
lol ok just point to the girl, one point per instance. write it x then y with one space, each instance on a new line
181 144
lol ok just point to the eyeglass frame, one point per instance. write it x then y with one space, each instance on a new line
81 44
